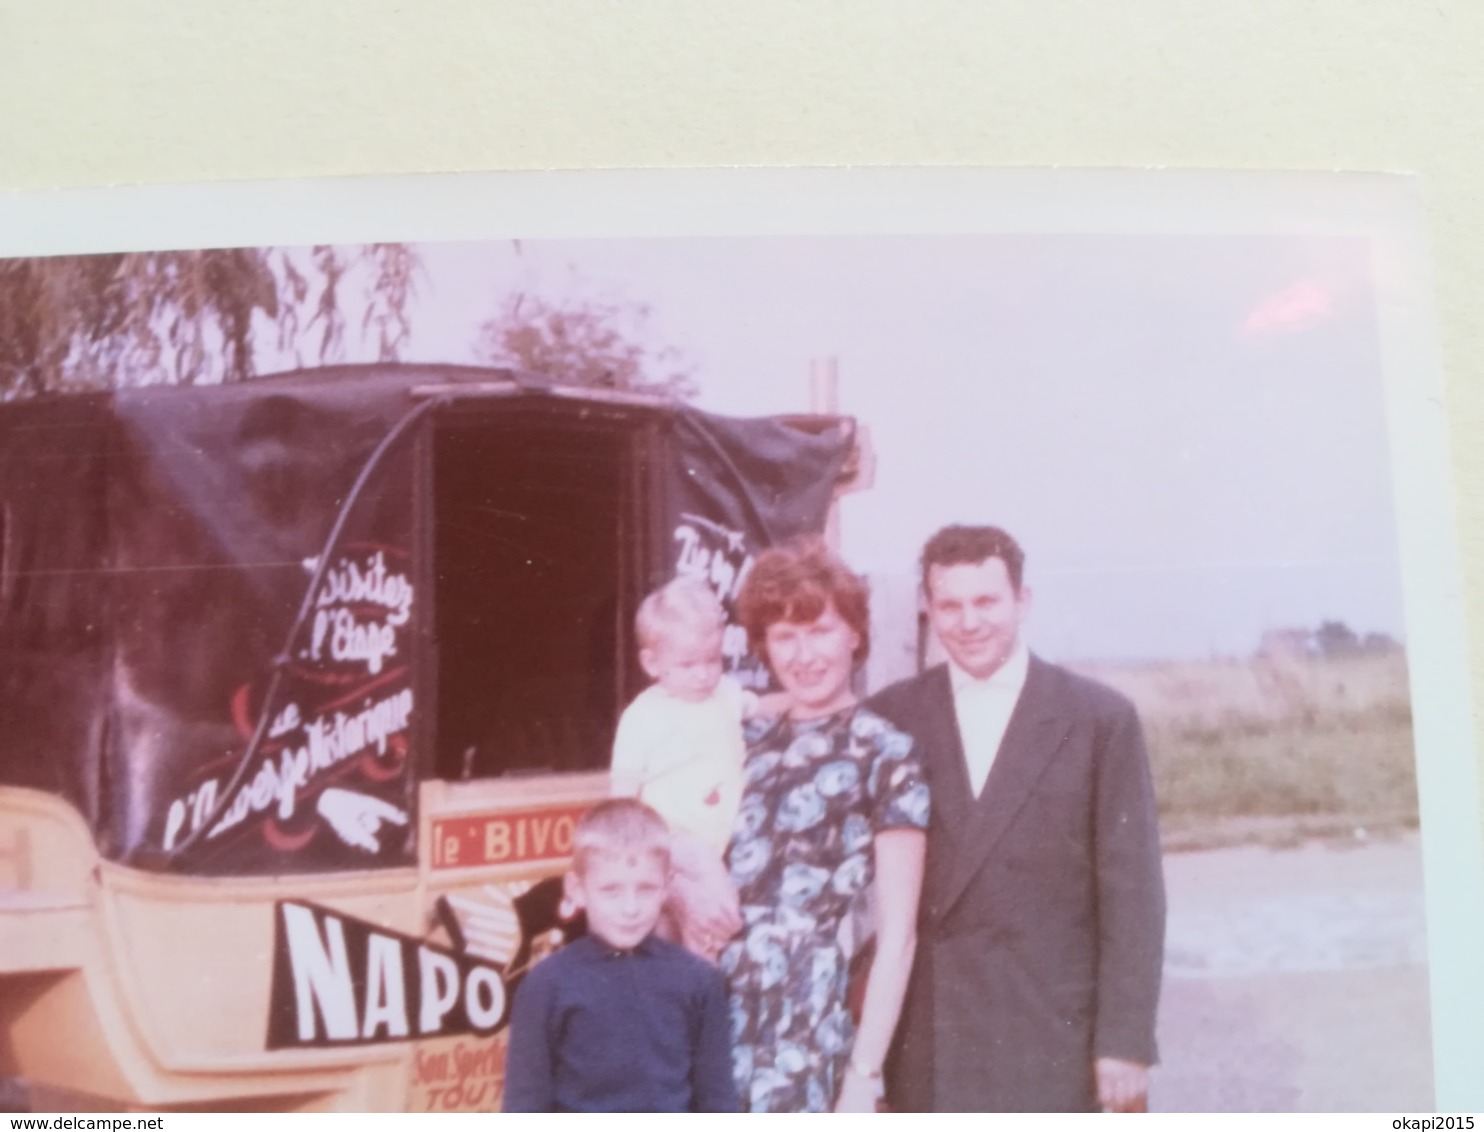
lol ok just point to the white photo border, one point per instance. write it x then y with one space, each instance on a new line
1386 209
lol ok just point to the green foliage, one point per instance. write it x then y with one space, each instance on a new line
70 323
1313 742
591 342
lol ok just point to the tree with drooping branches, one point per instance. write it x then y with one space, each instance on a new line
75 323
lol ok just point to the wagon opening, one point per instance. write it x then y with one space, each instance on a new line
534 550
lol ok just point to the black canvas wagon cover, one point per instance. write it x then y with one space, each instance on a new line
210 606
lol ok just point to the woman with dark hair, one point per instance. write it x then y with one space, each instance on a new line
834 803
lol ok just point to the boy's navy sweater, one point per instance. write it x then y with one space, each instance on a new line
595 1029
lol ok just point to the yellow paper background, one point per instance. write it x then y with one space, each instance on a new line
159 91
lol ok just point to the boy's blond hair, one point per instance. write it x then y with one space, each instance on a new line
618 827
680 602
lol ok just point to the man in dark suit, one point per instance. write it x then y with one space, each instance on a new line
1041 932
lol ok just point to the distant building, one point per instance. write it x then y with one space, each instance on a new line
1278 643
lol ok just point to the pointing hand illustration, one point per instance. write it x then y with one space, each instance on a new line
357 818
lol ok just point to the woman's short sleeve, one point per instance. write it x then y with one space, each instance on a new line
897 784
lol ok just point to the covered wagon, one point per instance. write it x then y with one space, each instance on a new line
303 683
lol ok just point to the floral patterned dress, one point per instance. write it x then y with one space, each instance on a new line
814 796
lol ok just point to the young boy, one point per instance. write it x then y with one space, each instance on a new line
620 1020
679 748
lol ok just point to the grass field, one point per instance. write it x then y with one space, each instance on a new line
1275 748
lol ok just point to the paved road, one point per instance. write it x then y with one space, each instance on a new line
1296 980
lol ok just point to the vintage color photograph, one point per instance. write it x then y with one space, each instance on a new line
1003 631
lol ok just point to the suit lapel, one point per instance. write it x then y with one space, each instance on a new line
1036 731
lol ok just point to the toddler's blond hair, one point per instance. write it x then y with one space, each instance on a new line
682 603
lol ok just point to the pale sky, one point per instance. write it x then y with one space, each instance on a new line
1187 434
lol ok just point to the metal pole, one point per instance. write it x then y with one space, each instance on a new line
824 398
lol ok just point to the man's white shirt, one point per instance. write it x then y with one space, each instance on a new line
983 708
